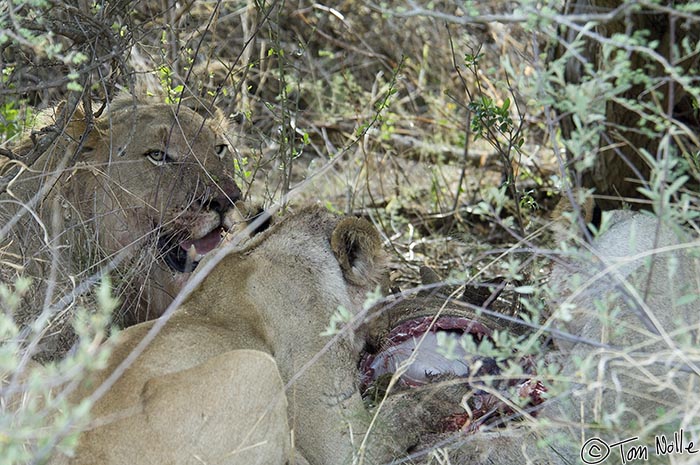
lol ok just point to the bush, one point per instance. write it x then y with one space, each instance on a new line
452 125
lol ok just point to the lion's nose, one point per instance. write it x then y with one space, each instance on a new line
223 196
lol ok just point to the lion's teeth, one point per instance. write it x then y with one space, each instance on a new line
190 259
193 256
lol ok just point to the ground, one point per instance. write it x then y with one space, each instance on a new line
434 120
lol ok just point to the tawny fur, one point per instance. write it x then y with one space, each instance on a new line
210 387
94 196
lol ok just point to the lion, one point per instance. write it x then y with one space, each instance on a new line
241 364
625 317
142 191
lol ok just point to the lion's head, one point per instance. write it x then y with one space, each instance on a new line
144 188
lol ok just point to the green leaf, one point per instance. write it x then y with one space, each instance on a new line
74 86
525 289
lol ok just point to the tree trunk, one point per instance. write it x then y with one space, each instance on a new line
619 168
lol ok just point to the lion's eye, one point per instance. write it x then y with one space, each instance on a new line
158 157
221 150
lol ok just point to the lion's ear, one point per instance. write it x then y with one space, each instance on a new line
357 247
77 125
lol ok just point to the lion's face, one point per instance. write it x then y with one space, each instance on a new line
156 179
159 175
149 184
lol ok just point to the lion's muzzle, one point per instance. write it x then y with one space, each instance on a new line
203 229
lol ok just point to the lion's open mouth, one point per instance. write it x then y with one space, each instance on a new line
183 251
183 256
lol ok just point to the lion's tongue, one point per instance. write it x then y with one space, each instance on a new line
203 245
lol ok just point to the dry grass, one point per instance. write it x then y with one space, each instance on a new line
362 107
382 96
